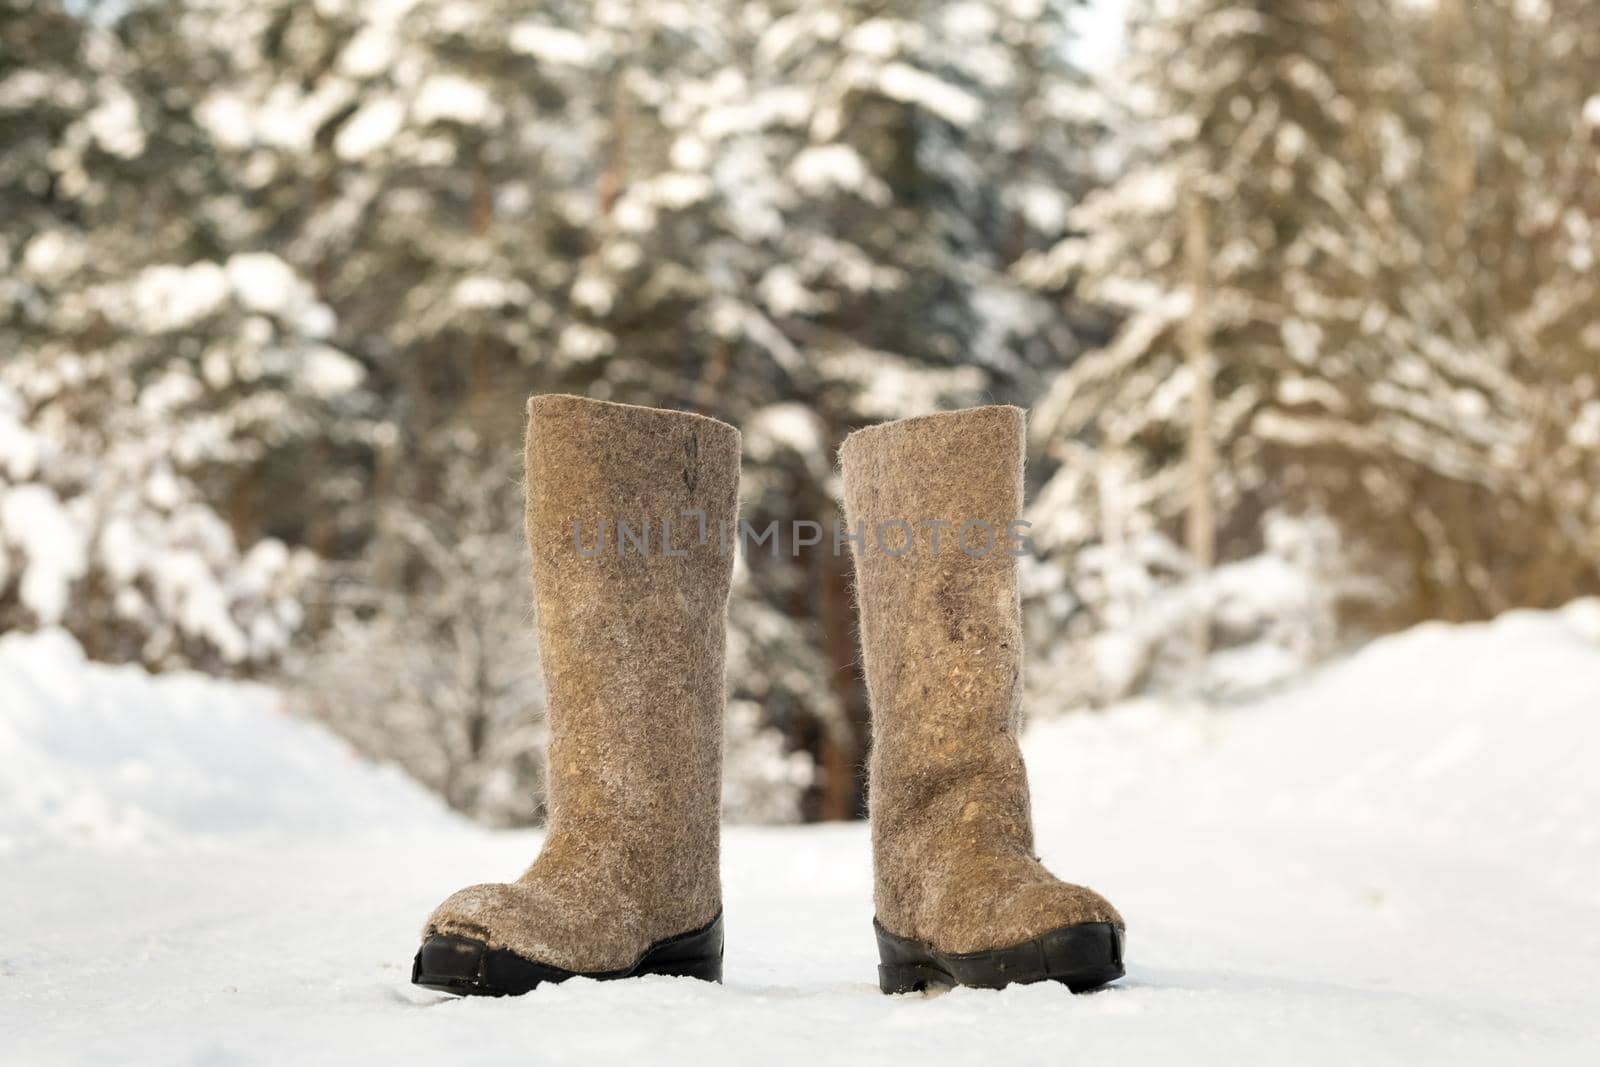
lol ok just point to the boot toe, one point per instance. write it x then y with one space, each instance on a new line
1012 907
1040 907
468 967
520 919
542 922
477 912
992 933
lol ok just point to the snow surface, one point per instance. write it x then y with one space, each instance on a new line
1392 862
97 758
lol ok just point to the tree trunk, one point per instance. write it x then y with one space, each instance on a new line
1201 521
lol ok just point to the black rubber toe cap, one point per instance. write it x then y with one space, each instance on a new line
469 967
466 966
1081 957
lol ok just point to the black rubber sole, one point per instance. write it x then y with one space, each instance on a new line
1081 957
468 967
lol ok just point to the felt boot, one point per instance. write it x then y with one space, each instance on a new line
631 632
960 897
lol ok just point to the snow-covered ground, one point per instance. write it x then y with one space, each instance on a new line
1396 862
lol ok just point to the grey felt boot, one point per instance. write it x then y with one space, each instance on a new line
632 645
960 896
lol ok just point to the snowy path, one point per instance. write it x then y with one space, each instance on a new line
1396 863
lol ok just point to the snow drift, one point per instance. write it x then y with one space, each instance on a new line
111 757
1392 862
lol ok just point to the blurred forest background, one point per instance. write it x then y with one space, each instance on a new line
1303 296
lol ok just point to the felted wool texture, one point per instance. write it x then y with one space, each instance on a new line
632 648
941 637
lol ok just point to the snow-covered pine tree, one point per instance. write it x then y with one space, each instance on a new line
1494 495
1231 241
873 169
1458 370
442 676
1318 242
155 377
464 182
742 209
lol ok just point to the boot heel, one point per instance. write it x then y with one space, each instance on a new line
696 954
910 978
707 970
907 966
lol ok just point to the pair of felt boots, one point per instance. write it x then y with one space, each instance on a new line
633 639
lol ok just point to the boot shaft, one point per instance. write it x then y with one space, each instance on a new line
934 499
632 628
